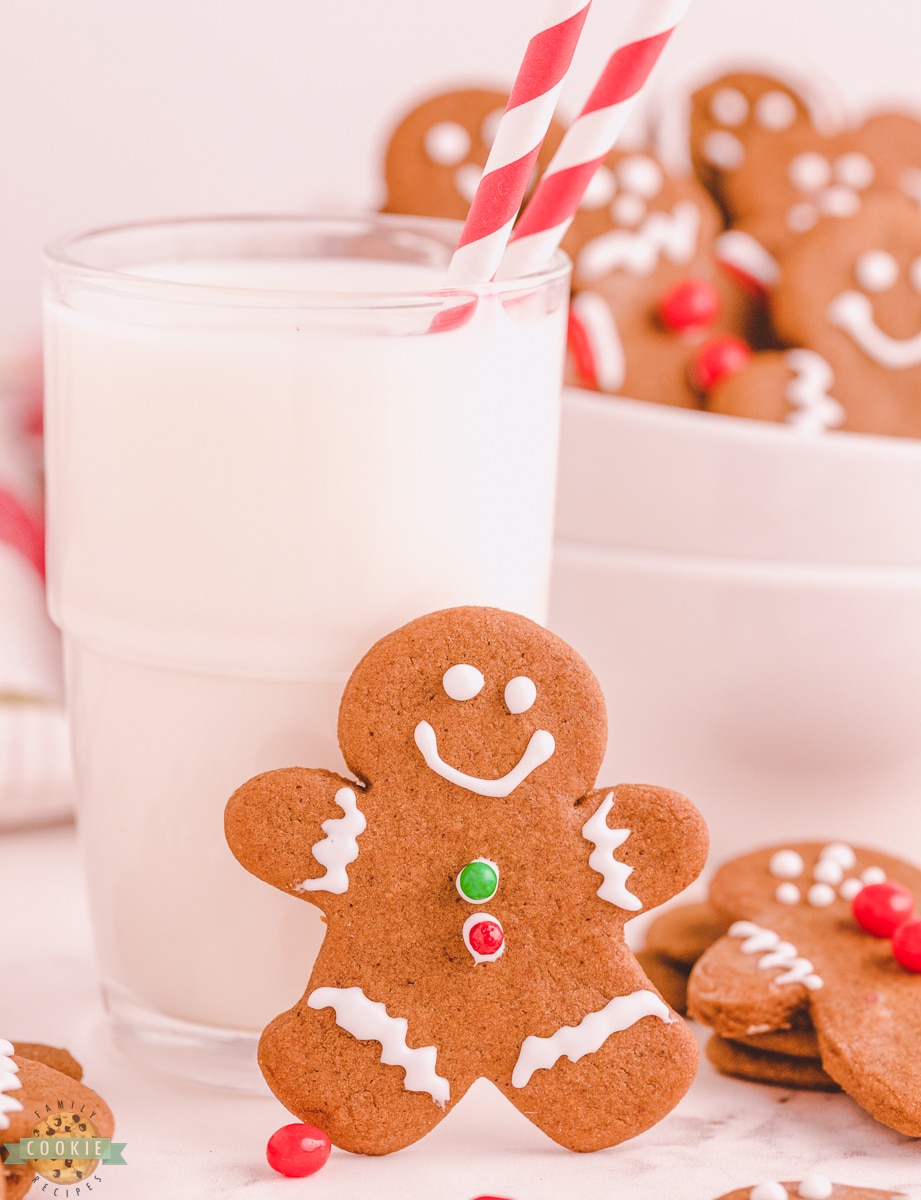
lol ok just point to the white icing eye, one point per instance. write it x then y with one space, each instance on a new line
628 209
785 864
447 143
787 893
876 271
801 217
873 875
601 189
820 895
849 889
640 174
520 694
467 179
839 201
854 170
809 172
768 1191
841 853
490 126
914 274
723 149
729 106
462 682
775 110
815 1187
827 870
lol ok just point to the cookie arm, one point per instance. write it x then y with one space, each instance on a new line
648 839
297 829
736 993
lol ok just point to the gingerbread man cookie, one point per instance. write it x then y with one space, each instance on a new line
795 949
849 303
437 152
476 884
813 1187
649 296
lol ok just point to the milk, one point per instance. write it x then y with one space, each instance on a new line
250 479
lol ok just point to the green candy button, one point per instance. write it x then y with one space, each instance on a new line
478 881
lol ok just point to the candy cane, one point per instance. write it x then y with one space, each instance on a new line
519 137
589 139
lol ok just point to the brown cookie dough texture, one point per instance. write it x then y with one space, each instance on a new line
794 958
743 1060
673 942
474 737
813 1187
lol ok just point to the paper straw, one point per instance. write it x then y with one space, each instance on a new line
590 138
519 137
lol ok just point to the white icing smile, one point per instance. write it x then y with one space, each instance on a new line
671 235
538 750
853 312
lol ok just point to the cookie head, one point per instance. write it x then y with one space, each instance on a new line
477 699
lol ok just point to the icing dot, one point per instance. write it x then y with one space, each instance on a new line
601 190
849 889
628 209
914 274
876 271
484 937
786 864
787 893
447 143
814 1187
775 110
729 106
462 682
801 217
520 694
855 170
478 881
809 172
840 853
467 179
872 875
827 870
839 201
641 175
768 1191
820 895
490 126
723 149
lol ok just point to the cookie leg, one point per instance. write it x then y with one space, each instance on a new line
608 1094
328 1077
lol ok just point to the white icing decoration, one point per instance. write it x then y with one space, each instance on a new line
338 848
729 106
612 871
813 410
849 889
873 875
801 218
594 315
575 1041
467 179
723 149
914 274
745 254
853 312
520 694
462 682
447 143
827 870
9 1082
815 1187
787 893
839 201
855 170
775 110
628 209
809 172
538 750
768 1191
756 940
489 862
910 183
475 919
841 853
820 895
368 1021
876 271
601 190
490 126
671 235
786 864
640 174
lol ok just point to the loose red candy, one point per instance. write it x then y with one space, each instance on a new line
689 306
906 944
297 1150
717 358
880 908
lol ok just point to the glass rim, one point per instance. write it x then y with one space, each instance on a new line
63 255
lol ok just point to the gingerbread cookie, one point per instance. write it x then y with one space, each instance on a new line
476 884
795 949
437 152
742 1060
850 302
649 295
813 1187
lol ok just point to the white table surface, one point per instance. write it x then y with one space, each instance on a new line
186 1141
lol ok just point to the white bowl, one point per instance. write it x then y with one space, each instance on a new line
750 599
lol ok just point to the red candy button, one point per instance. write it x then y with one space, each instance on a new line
880 908
717 358
486 938
689 306
906 944
297 1150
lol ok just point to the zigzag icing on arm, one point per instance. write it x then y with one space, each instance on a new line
575 1041
602 860
9 1082
757 940
338 848
369 1021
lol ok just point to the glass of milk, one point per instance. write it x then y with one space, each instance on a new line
269 441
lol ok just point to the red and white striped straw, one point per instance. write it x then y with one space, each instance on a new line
519 137
590 138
